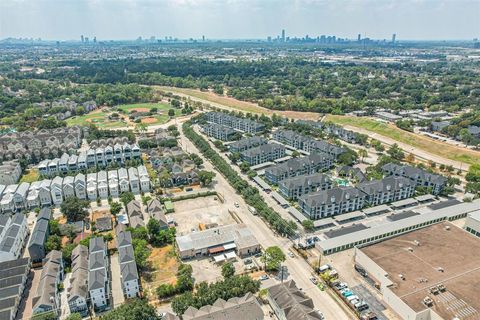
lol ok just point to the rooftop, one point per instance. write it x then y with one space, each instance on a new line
442 245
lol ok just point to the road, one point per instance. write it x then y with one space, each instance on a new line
418 153
298 268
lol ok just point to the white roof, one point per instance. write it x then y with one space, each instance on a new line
323 222
297 214
230 255
348 216
219 258
444 213
402 203
373 210
262 183
425 197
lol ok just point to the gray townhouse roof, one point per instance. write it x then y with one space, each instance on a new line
68 180
101 176
39 233
327 197
47 287
294 302
247 143
305 181
104 223
12 232
236 308
80 178
263 149
388 184
57 181
124 238
154 209
122 174
296 164
113 174
96 260
126 254
413 173
96 279
134 208
22 189
45 213
129 271
96 244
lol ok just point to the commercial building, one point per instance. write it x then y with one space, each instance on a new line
291 303
233 309
299 166
422 178
387 190
431 273
263 153
237 123
218 240
293 188
332 202
387 116
369 235
47 297
13 280
36 245
128 268
246 143
472 223
13 232
98 274
77 293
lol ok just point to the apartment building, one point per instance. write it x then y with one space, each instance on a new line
422 178
299 166
237 123
293 188
332 202
246 143
387 190
263 153
98 274
218 131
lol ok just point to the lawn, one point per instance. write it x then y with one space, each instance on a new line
391 131
30 176
161 106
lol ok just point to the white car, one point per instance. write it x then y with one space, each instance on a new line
236 205
314 280
290 254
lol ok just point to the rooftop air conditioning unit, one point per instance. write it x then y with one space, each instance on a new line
440 269
410 249
416 242
447 228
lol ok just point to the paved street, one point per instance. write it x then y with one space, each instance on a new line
298 268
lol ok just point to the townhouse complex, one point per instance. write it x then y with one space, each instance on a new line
40 144
13 234
236 123
128 267
246 143
299 166
10 172
92 186
39 235
14 275
98 274
308 144
420 177
263 153
91 158
218 131
154 210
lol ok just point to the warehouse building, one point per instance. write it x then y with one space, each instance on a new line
472 223
431 273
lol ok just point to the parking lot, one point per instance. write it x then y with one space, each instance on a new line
189 214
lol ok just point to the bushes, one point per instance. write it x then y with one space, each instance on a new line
184 283
250 194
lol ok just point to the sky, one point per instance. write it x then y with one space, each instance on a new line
239 19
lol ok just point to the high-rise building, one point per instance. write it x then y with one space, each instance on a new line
203 38
394 36
86 39
283 35
95 39
359 37
82 39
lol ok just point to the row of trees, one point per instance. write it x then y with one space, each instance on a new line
250 194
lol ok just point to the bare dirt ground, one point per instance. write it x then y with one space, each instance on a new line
139 110
148 120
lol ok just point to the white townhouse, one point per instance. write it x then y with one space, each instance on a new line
136 151
44 193
56 189
102 184
100 156
108 154
68 187
118 153
33 200
91 159
127 151
98 281
123 180
13 238
20 196
80 186
113 183
63 163
144 178
92 186
73 163
6 204
82 160
134 181
128 267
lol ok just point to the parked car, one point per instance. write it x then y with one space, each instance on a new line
290 254
236 205
314 280
264 277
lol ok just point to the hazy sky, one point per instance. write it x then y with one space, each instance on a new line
128 19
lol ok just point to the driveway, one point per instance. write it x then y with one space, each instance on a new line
64 309
117 291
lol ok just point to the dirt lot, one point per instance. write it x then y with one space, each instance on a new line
164 268
190 213
206 270
148 120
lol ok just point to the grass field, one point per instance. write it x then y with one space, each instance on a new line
389 130
30 176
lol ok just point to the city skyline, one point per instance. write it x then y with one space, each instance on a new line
240 19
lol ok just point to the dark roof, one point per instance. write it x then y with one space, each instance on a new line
444 204
45 213
402 215
345 230
335 195
39 233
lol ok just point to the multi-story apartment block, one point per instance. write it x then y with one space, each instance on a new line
308 144
98 275
263 153
13 233
10 172
246 143
237 123
128 267
77 293
387 190
293 188
332 202
422 178
299 166
47 297
218 131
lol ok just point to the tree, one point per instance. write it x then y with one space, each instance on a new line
74 209
54 227
164 178
196 159
308 225
141 252
395 152
295 154
348 158
228 270
136 309
363 154
244 166
205 177
67 253
74 316
115 208
273 257
410 158
126 197
53 242
171 113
